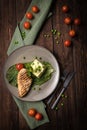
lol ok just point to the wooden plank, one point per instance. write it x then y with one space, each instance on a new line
8 108
72 115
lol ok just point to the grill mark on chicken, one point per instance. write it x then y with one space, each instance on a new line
24 82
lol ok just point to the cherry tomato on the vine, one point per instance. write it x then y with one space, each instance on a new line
19 66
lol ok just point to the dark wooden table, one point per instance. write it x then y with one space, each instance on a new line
72 114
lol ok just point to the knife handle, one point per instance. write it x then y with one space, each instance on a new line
57 100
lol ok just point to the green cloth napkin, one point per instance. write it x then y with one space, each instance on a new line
23 37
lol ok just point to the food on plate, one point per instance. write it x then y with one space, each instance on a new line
27 25
65 8
35 72
32 112
24 82
38 116
67 20
38 68
77 21
29 15
67 43
19 66
72 33
35 9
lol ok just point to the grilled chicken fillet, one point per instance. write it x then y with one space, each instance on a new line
24 82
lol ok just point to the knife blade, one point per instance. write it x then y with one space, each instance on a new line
65 85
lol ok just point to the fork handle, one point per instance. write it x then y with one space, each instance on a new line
57 100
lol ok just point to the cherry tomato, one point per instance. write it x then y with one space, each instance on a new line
77 21
72 33
67 20
65 8
67 43
32 112
29 15
27 25
38 116
19 66
35 9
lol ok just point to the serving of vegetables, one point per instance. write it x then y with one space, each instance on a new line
13 71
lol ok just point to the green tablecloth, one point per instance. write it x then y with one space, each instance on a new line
23 37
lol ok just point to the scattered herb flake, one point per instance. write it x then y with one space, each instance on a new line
36 57
56 108
59 33
16 42
48 35
40 58
23 34
54 33
34 88
55 30
65 96
62 104
52 30
57 42
24 57
45 35
39 88
62 95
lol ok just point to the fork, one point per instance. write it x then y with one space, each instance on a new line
62 79
65 85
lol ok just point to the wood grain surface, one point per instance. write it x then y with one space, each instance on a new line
72 114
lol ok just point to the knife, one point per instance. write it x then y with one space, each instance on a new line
62 78
65 85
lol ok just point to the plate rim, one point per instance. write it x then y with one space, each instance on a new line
38 46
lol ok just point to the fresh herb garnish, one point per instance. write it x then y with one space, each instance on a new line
62 104
24 57
16 42
12 74
46 35
55 34
59 34
23 34
62 95
65 96
56 108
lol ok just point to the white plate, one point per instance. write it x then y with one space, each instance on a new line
30 52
